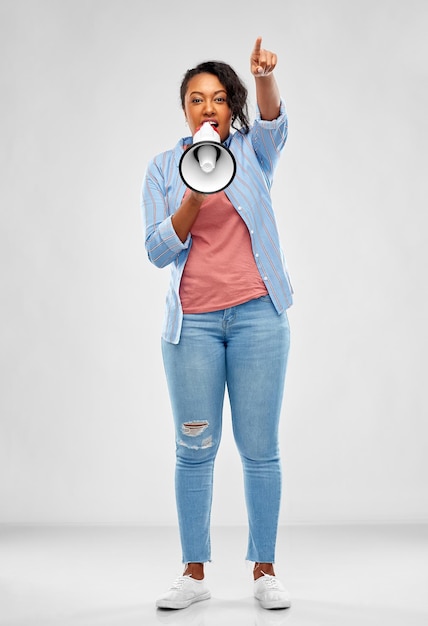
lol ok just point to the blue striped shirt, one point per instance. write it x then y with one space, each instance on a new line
256 156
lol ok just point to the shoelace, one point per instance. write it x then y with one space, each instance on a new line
270 581
179 582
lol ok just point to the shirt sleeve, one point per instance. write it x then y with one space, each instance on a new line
162 243
268 139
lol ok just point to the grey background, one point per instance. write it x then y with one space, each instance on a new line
89 93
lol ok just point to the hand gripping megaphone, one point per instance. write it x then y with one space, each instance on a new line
207 166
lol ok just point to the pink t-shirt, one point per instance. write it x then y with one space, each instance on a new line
220 271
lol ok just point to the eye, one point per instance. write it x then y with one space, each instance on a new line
196 100
220 99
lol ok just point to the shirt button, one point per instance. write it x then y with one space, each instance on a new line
257 255
240 208
265 277
252 232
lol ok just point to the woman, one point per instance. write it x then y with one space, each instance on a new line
225 320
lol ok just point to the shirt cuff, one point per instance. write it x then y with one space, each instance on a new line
282 117
170 237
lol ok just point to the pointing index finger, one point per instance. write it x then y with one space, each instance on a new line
257 46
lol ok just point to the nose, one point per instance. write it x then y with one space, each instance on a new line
209 108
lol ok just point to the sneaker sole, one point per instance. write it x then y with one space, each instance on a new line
170 604
278 604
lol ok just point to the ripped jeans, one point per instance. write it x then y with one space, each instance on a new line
244 348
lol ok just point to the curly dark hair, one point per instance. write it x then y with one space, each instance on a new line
236 91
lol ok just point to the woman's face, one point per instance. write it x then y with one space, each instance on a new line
206 101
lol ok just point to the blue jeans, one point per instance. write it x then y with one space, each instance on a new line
246 348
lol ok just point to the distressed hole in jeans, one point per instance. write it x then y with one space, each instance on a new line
193 429
206 443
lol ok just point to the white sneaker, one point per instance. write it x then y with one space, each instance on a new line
184 591
270 592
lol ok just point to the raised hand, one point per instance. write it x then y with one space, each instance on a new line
262 61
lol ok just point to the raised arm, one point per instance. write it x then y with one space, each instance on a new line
262 63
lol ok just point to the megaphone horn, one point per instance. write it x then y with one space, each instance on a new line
207 166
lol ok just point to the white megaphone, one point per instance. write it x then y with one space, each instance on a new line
207 166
